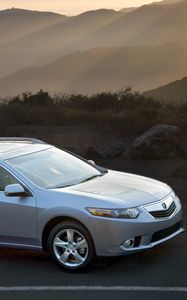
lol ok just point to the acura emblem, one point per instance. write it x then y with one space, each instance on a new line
164 205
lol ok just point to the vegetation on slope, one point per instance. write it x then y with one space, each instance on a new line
124 113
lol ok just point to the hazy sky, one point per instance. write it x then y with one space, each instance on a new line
71 6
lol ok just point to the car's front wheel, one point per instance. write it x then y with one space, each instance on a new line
71 246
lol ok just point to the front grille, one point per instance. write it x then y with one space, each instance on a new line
164 213
159 235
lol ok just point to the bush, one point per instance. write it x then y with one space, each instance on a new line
123 113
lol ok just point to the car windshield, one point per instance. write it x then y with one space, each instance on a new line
54 168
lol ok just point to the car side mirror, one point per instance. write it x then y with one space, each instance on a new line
15 190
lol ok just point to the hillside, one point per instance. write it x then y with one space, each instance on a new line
169 1
94 51
128 9
170 28
149 25
15 23
164 2
173 92
102 69
37 47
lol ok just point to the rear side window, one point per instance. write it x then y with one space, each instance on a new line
6 178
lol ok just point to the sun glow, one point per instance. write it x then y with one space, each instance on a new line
71 7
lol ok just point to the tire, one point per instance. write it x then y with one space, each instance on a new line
71 247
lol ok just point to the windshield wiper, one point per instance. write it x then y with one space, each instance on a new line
90 178
87 179
60 186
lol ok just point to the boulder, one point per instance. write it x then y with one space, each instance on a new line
158 142
105 150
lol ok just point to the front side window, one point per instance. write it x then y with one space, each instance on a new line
6 178
54 168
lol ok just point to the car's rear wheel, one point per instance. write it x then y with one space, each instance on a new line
71 246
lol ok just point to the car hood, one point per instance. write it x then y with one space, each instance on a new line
132 189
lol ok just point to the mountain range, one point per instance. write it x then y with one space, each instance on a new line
16 23
102 69
52 41
143 47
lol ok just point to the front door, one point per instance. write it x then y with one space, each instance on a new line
17 215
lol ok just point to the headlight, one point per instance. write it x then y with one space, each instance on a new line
130 213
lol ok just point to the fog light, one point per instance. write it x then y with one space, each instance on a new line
128 243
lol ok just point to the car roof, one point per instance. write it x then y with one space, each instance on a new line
14 147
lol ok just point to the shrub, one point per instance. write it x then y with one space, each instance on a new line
125 113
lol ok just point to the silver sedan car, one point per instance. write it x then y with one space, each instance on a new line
52 200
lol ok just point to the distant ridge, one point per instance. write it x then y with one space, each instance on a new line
54 39
15 11
173 92
102 69
128 9
16 23
94 51
148 25
169 1
164 2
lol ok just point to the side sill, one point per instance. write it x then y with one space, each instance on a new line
21 246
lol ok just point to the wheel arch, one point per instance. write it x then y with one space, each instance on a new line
53 222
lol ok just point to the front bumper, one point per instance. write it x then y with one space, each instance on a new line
109 235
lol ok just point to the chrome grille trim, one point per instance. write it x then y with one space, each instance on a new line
164 208
164 213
